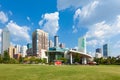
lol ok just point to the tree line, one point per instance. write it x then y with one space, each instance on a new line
26 60
108 61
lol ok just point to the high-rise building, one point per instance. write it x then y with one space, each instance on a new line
82 44
98 50
18 49
5 40
10 51
29 49
62 45
29 45
39 42
56 41
105 50
98 53
50 43
24 51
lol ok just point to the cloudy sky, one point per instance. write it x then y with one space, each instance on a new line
98 20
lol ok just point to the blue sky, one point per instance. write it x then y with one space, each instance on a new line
98 20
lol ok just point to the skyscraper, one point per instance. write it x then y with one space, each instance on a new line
39 42
5 40
56 41
50 43
11 51
24 51
82 44
98 50
29 45
105 50
18 49
98 53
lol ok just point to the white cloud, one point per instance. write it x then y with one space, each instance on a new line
92 42
3 17
101 32
64 4
96 11
18 33
83 14
49 23
86 11
28 18
117 45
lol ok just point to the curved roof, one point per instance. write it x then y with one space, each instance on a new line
81 53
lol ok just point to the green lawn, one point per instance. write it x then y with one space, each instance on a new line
46 72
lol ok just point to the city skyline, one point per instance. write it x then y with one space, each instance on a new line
70 20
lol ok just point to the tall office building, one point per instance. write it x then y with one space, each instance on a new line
105 50
5 40
11 51
24 51
98 53
62 45
29 45
98 50
50 43
18 49
29 49
82 44
39 42
56 41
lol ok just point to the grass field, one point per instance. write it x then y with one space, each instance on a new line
46 72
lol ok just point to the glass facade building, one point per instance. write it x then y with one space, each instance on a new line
98 50
82 44
105 50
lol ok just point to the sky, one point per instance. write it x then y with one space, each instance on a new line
98 20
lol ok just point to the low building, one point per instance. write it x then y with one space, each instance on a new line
12 50
98 55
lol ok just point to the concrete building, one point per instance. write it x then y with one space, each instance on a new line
5 40
50 43
98 53
56 53
11 51
105 50
24 51
62 45
18 49
39 42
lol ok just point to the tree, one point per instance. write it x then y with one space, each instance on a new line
13 61
6 57
32 59
1 58
20 59
64 60
44 60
